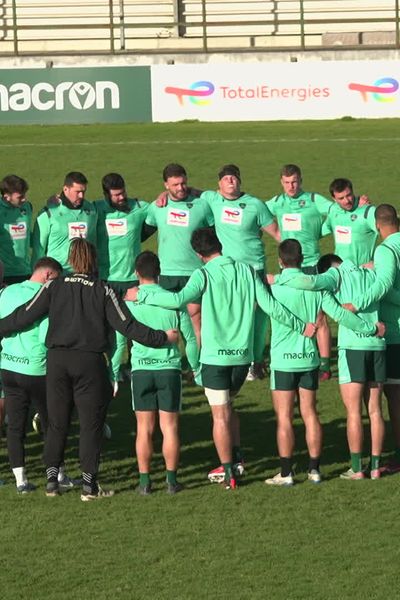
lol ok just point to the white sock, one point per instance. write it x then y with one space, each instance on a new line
20 476
61 473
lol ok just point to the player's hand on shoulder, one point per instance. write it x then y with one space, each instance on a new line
53 200
131 294
162 199
270 278
380 329
364 200
368 265
172 336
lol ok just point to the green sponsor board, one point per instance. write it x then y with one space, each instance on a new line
81 95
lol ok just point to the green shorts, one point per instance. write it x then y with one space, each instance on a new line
361 366
219 377
120 287
173 283
288 381
157 390
393 363
310 270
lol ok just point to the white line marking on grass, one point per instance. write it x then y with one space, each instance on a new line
183 142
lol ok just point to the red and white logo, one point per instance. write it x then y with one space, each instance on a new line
178 217
18 231
77 229
116 227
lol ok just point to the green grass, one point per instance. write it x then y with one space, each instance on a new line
337 540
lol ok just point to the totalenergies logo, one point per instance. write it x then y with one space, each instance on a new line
116 224
178 215
382 90
18 227
78 228
196 93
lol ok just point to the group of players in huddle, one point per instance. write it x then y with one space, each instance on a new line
209 281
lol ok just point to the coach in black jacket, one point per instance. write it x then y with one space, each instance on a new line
81 311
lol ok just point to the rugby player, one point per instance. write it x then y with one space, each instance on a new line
57 225
386 288
180 215
295 362
156 383
351 223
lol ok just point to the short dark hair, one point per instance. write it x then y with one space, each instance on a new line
12 184
327 261
74 177
205 242
112 181
229 170
173 170
46 262
290 253
289 170
386 214
339 185
147 265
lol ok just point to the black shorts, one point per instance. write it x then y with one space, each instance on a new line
288 381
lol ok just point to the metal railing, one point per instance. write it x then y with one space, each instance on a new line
134 26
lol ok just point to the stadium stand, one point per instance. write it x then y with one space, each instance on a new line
102 26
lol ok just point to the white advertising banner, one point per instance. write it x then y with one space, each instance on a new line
272 91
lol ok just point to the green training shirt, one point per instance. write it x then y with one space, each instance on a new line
56 226
291 352
238 225
301 218
176 222
15 237
354 232
152 359
229 291
387 275
24 352
119 238
346 282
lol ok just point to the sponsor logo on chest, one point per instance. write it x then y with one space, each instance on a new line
233 216
291 222
178 217
77 229
116 227
342 234
18 231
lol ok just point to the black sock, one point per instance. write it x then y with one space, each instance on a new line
313 464
286 466
90 482
52 474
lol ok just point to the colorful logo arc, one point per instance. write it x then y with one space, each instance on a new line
379 90
195 93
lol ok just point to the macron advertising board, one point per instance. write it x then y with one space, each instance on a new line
275 91
77 95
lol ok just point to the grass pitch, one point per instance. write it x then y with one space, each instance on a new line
336 540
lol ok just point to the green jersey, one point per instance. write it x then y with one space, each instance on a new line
229 291
387 276
346 282
354 231
119 238
176 222
56 226
144 357
292 352
15 237
23 352
301 218
238 224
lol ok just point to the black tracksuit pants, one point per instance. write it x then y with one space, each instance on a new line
21 391
76 377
